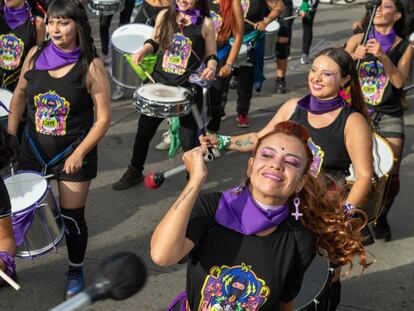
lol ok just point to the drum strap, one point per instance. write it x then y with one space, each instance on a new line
61 155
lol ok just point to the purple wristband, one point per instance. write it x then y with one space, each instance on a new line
9 264
348 207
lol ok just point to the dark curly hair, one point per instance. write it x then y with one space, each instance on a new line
336 233
9 147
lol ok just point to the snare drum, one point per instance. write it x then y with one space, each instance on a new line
127 39
5 99
314 293
383 164
270 39
106 7
163 101
37 224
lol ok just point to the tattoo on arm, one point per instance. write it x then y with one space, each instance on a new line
241 143
184 198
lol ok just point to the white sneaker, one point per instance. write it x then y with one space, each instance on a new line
304 59
117 94
216 153
165 142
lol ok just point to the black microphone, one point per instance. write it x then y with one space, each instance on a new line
119 277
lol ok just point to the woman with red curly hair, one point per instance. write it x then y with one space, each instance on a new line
250 246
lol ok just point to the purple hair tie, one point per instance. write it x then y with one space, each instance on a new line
9 264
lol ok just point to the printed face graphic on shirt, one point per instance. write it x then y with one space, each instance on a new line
373 80
51 113
11 51
217 21
233 288
176 58
318 155
245 4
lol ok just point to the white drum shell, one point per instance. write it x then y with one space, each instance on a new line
106 7
270 39
127 39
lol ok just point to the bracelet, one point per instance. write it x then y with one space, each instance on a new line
347 208
9 264
211 57
154 44
224 141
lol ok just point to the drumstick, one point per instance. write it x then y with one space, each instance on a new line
250 22
9 280
290 17
147 74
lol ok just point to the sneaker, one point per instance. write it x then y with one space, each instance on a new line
216 153
117 94
242 120
304 59
130 178
75 283
165 142
280 86
223 117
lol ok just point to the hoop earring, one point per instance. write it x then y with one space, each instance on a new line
296 202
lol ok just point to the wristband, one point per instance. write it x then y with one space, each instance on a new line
224 141
154 44
211 57
348 208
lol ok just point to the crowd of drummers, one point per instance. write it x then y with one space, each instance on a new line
323 172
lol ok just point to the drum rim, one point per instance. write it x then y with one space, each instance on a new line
149 85
107 12
3 113
125 26
43 196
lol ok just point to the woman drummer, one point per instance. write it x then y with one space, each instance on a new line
65 88
249 246
384 66
339 129
8 154
185 36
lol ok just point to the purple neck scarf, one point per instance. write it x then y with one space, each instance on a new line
386 41
52 57
16 17
193 13
319 106
238 211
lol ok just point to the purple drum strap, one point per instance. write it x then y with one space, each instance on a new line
4 106
21 224
180 300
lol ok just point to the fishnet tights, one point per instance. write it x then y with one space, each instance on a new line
73 194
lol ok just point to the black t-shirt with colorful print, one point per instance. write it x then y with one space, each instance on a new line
5 206
230 271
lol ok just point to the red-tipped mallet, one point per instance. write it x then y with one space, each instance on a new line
155 179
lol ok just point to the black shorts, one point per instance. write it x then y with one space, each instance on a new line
285 29
29 162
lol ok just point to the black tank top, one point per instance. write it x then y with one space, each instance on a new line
175 65
148 13
254 11
14 46
329 142
59 110
377 88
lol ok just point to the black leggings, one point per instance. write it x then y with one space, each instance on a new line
147 127
245 79
105 23
307 24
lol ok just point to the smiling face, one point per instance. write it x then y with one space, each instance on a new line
184 5
387 14
63 32
276 171
325 79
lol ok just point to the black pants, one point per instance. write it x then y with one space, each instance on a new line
307 24
245 78
105 23
147 127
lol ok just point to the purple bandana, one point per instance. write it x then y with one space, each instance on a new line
16 17
193 13
319 106
52 57
386 41
238 211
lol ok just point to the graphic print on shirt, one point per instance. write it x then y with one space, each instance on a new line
217 21
176 58
51 113
233 288
373 80
11 51
318 155
245 4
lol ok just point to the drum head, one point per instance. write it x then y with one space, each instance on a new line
130 38
163 93
272 27
243 49
25 189
5 99
383 156
314 282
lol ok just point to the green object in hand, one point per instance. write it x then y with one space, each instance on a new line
147 64
174 132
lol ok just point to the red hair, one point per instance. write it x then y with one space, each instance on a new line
227 17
